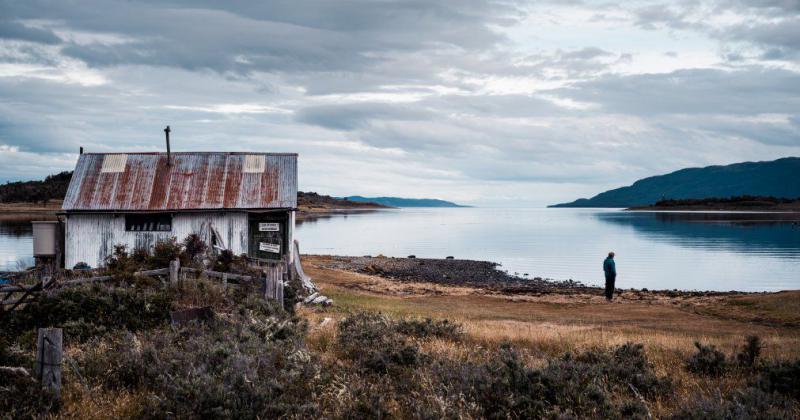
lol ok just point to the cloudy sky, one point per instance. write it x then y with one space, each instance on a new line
488 103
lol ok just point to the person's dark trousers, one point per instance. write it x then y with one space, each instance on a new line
610 286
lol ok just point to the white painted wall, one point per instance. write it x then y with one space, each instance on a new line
90 238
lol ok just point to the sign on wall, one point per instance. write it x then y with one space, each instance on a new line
269 227
274 248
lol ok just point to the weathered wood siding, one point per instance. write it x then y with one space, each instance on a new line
90 238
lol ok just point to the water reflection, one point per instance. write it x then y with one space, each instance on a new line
777 234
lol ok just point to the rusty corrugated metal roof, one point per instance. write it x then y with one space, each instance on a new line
194 181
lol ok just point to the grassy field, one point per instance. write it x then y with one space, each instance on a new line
550 325
390 349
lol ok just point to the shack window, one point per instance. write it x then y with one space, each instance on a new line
157 222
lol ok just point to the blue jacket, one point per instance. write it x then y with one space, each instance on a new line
609 267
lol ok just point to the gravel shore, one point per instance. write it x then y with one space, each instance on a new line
480 274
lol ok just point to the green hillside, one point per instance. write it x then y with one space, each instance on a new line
404 202
778 178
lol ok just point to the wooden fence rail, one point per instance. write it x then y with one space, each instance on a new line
272 282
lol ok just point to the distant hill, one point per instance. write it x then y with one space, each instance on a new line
404 202
311 200
54 187
777 178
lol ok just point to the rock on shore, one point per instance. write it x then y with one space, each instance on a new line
482 274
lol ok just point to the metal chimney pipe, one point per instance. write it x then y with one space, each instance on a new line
169 156
81 150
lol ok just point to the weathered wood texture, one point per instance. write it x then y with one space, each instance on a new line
90 238
308 285
48 359
174 272
273 281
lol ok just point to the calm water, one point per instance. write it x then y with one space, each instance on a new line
695 251
703 251
16 243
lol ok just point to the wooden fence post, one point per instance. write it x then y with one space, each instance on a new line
225 281
174 271
48 359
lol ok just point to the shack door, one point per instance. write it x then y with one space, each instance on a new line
267 236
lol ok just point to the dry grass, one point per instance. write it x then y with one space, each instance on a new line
551 325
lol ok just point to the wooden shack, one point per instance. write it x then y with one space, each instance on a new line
243 202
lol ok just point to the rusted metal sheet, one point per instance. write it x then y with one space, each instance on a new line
194 181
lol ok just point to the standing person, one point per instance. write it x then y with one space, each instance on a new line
610 269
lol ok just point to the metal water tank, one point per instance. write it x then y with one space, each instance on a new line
44 238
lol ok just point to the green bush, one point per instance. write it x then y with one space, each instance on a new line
748 403
707 361
782 377
430 328
248 364
166 251
84 312
370 340
594 384
751 350
193 248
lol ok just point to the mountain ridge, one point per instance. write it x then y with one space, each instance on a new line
404 202
776 178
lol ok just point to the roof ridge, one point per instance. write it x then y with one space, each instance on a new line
193 153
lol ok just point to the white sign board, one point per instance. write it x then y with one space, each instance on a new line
269 227
274 248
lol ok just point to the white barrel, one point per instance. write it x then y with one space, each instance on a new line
44 238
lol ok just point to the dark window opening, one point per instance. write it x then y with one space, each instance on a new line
158 222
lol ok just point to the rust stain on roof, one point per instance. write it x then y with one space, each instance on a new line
194 181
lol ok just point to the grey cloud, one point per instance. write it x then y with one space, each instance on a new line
10 29
352 116
745 91
271 36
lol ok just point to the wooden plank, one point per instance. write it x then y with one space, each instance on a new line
48 359
156 272
14 289
42 284
28 299
230 276
174 271
74 282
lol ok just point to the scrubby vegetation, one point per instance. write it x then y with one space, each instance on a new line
741 200
255 359
251 361
52 187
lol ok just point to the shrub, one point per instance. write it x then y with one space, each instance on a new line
165 251
245 365
194 248
223 261
369 339
708 361
121 265
748 356
594 384
430 328
85 312
22 397
748 403
781 377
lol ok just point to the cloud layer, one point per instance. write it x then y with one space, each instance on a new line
493 102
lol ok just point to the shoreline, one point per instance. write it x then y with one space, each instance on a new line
485 276
351 286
